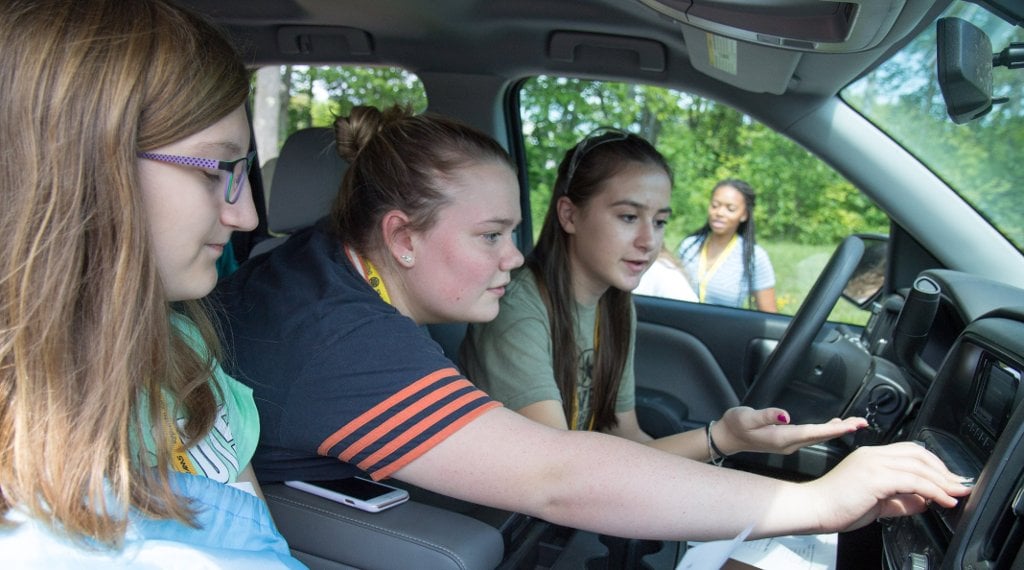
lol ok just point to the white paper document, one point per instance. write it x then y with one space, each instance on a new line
811 552
711 555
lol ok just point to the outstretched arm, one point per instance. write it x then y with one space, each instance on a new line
740 429
768 430
691 444
547 412
607 484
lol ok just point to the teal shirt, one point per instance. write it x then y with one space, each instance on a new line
235 530
510 357
230 444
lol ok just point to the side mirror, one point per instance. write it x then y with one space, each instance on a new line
868 278
964 69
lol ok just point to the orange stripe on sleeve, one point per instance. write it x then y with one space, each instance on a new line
403 415
375 411
421 426
427 445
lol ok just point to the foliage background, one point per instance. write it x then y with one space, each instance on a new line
804 208
800 199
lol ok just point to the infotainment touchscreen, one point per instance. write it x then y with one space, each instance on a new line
996 394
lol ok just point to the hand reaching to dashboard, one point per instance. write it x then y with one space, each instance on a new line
768 430
884 481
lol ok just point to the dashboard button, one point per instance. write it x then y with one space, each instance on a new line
915 561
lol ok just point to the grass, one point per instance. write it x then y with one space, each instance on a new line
797 266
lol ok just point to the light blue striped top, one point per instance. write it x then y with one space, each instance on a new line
727 286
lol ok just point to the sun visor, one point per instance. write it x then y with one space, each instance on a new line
799 25
748 66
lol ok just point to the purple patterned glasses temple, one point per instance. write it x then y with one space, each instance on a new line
238 170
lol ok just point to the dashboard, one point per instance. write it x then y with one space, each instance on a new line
958 341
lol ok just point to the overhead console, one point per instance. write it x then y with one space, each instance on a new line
757 44
806 25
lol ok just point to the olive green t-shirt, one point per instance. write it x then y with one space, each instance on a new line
510 357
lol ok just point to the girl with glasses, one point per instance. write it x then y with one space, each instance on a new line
119 432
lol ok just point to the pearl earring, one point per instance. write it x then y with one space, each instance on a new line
407 259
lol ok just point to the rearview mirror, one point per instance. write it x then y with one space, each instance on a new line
964 68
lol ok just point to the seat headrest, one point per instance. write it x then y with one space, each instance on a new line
306 179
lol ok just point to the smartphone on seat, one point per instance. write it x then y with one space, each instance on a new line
363 494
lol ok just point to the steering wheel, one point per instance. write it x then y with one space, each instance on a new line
806 324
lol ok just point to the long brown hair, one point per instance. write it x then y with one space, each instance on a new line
581 173
86 339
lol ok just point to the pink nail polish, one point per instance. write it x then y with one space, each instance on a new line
783 418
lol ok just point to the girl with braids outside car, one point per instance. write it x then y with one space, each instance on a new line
723 259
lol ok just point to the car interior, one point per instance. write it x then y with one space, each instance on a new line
937 358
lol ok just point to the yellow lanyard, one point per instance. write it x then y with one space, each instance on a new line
703 273
576 392
369 272
179 456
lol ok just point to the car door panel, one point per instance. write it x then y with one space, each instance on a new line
733 339
694 361
673 367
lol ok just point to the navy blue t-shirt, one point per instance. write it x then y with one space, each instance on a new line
337 373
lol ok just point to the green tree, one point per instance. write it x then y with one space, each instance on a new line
987 170
319 94
800 198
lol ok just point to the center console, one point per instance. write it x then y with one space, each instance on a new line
973 420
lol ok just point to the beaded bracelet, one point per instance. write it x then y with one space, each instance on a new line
716 455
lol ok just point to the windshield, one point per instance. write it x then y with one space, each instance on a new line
980 160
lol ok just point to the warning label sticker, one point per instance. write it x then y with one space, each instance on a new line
722 53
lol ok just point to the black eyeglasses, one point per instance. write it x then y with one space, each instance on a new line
594 139
238 170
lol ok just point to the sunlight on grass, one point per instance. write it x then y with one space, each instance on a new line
797 266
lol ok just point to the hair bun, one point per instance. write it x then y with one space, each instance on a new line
353 133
